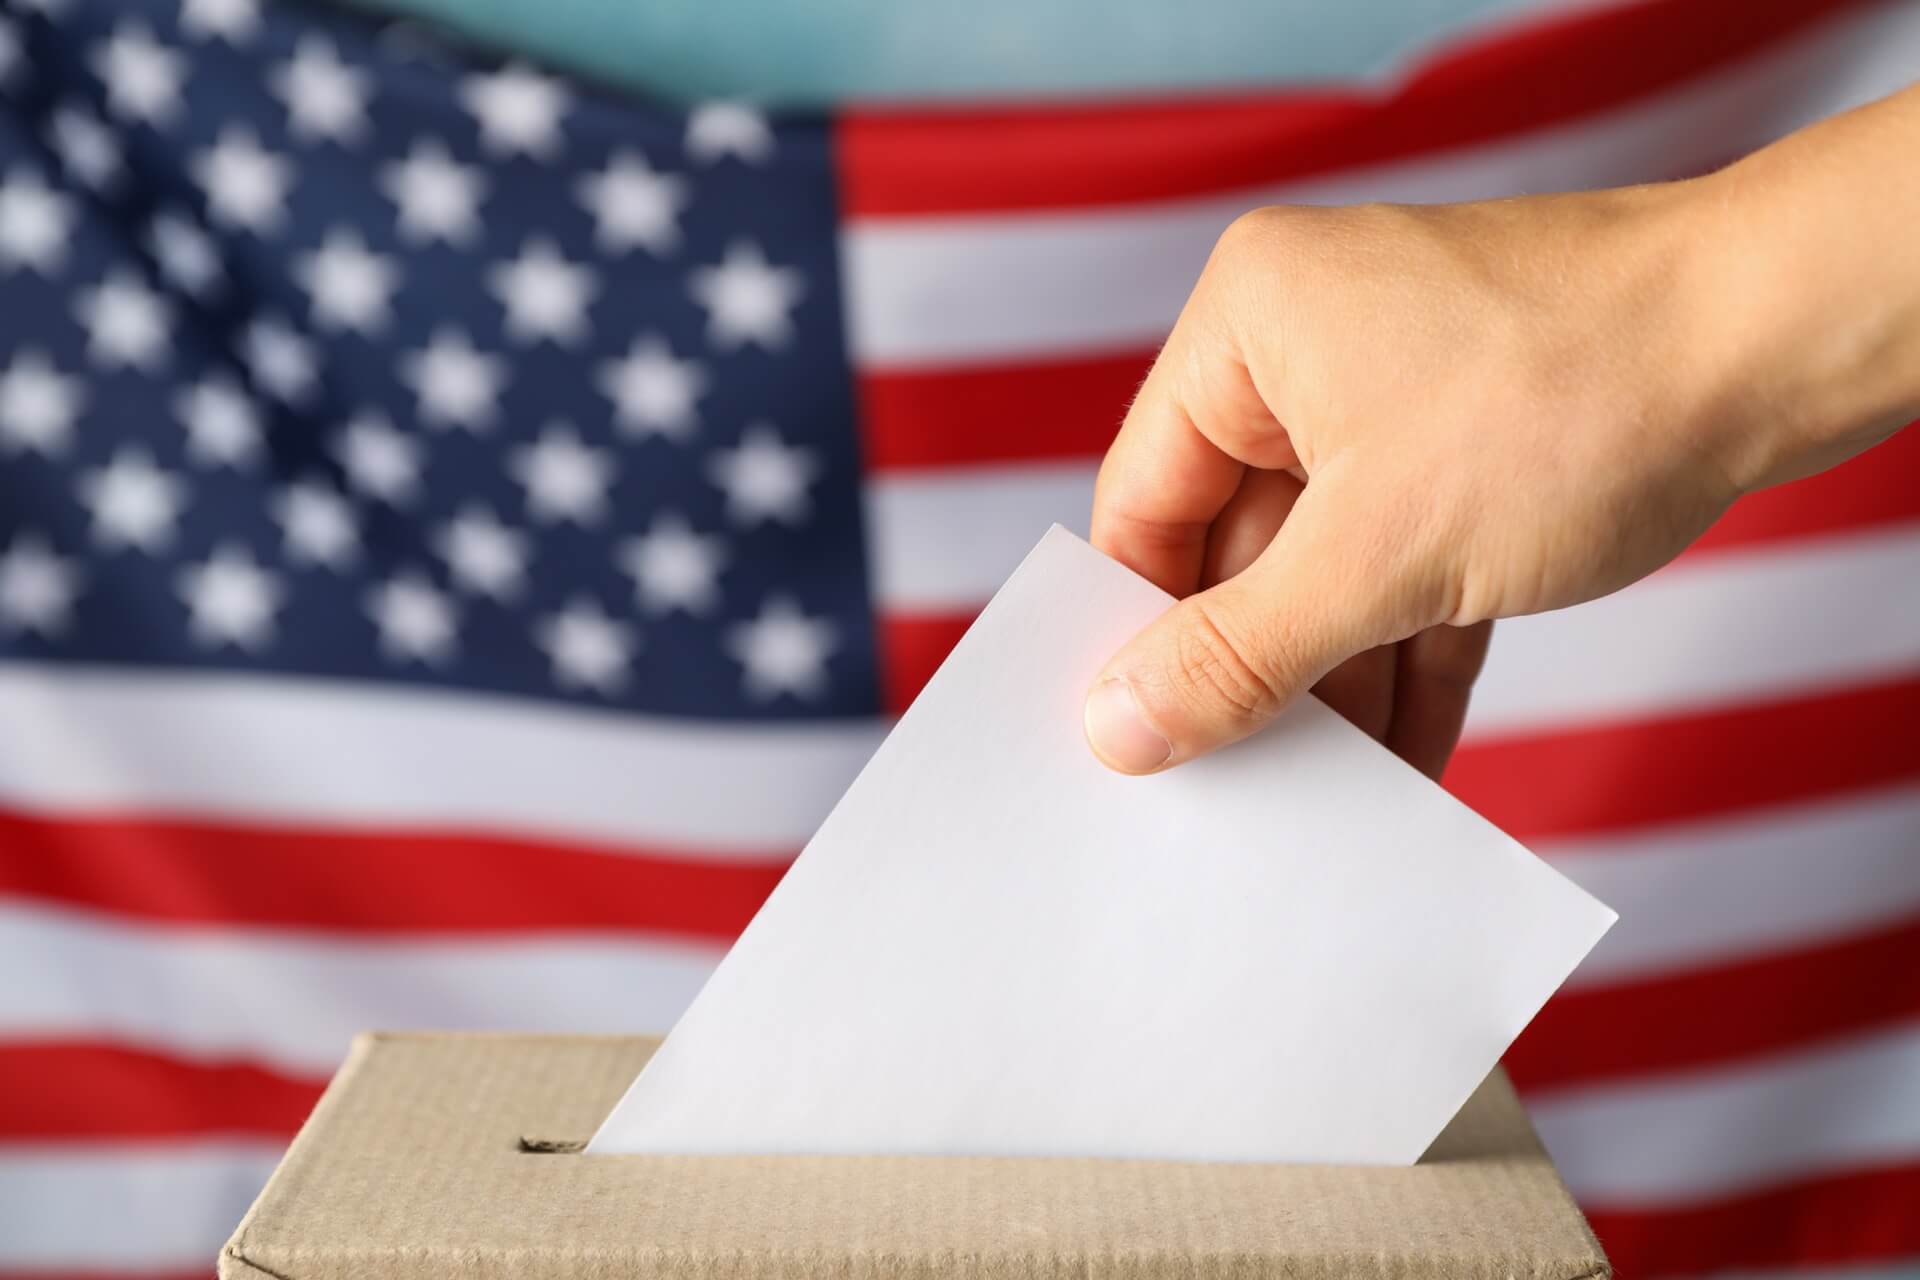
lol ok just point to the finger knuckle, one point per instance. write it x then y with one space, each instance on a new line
1254 232
1214 669
1246 229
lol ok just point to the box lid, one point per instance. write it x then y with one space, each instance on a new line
417 1162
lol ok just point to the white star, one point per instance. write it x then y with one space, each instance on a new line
222 421
231 599
134 503
673 567
280 360
87 148
765 479
417 622
518 110
782 651
324 97
37 405
142 76
379 461
126 322
716 129
186 255
350 286
37 587
229 20
545 295
246 184
653 393
564 479
457 385
588 649
35 223
484 555
317 523
748 299
633 206
438 198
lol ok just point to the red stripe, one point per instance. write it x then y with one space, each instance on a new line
1554 69
1764 1005
1610 777
1858 1216
54 1090
1604 777
1060 410
193 872
1880 487
1070 409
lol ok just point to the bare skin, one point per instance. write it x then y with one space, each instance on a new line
1374 430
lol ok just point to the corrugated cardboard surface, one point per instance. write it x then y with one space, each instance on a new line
412 1166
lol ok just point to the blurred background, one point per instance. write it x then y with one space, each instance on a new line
473 490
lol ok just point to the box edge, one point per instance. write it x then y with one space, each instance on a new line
240 1260
234 1250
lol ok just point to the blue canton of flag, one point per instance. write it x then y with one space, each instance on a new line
327 353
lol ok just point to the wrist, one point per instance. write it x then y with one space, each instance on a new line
1806 302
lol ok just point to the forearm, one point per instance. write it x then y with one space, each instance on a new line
1814 246
1369 421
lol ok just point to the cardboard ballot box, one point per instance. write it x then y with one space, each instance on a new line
457 1155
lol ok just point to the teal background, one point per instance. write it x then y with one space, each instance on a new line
821 52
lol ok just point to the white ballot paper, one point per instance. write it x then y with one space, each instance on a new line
1297 949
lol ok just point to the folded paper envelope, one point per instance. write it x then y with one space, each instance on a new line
416 1166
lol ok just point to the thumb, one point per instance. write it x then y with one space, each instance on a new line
1222 663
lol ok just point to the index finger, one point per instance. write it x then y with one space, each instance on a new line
1161 486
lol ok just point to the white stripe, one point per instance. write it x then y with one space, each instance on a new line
1707 893
943 291
295 1001
1692 1136
133 1208
947 539
344 755
125 1208
1763 622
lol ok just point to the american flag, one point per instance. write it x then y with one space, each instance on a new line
461 528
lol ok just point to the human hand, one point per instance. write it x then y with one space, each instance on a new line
1375 429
